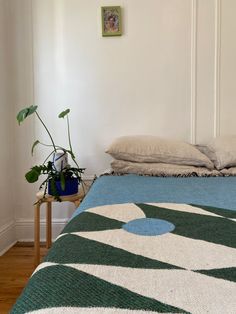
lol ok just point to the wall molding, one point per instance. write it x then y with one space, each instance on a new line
193 88
7 236
217 54
25 229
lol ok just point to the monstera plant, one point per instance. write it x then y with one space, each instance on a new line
60 178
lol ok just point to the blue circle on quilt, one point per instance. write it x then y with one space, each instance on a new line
148 226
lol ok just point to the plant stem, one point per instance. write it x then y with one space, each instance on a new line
48 157
49 145
68 131
53 144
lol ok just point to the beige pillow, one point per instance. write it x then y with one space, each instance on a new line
147 148
222 151
160 169
228 171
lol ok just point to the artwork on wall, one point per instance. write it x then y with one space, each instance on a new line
111 21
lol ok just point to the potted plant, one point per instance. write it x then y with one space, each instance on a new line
60 178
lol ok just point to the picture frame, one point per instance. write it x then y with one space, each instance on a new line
111 21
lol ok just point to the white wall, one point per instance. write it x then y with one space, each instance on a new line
227 96
170 74
20 14
7 232
136 83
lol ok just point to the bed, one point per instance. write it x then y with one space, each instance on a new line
141 244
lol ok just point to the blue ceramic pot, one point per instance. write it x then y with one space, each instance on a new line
72 187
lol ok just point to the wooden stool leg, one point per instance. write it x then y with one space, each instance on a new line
77 203
37 234
49 225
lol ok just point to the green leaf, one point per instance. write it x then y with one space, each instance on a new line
53 186
64 113
32 175
33 146
24 113
32 109
62 181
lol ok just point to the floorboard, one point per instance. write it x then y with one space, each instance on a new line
16 266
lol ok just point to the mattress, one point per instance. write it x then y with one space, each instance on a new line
142 245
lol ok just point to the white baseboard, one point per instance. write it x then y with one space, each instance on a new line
7 236
25 229
22 230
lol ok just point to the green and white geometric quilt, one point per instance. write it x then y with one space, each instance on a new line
139 258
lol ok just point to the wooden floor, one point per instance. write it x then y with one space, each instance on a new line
16 266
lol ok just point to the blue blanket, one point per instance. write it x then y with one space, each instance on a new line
162 245
212 191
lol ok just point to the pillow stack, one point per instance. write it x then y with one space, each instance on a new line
222 152
151 155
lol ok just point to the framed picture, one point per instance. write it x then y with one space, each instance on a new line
111 21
